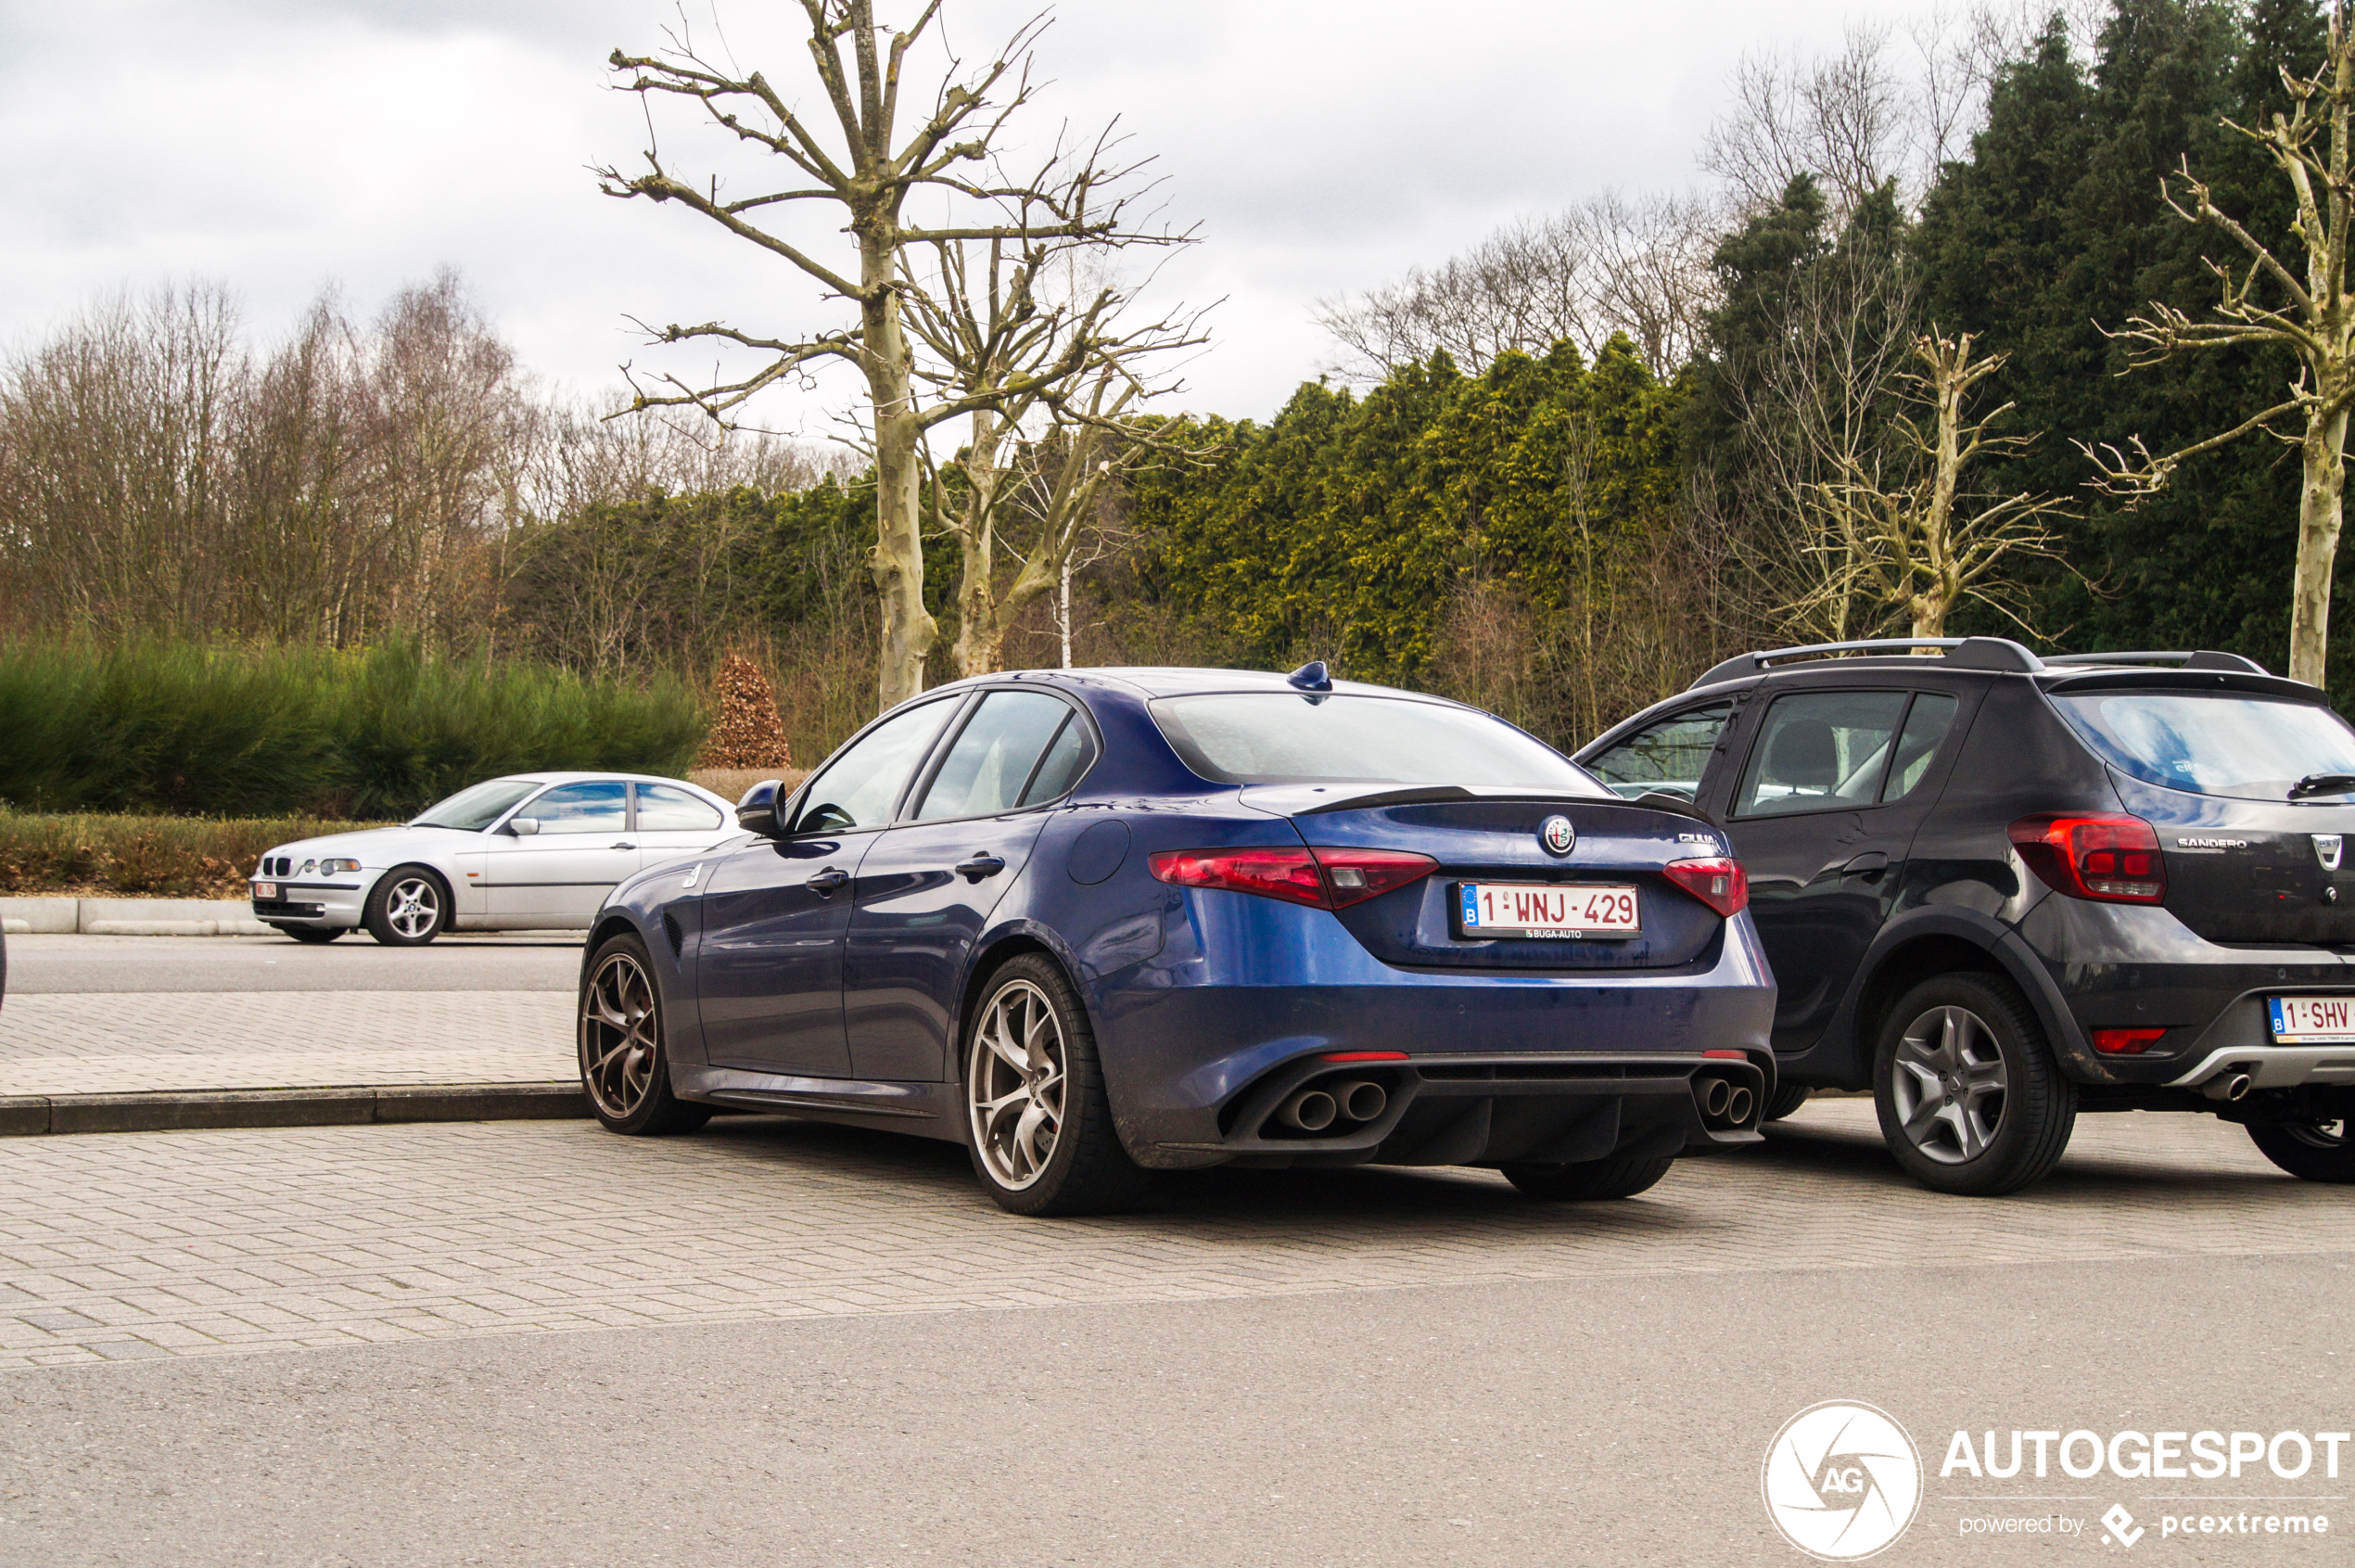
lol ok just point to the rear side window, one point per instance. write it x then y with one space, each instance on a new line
1276 738
2213 742
1925 724
1669 755
601 806
668 809
1820 751
995 756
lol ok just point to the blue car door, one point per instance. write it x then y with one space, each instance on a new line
927 887
768 972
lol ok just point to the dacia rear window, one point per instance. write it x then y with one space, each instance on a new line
2213 742
1280 738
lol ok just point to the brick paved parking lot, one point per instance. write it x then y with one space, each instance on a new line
140 1246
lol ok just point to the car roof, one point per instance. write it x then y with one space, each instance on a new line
1167 680
558 776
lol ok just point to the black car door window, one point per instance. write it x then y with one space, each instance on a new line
994 756
1926 725
1820 751
859 787
1066 760
1669 755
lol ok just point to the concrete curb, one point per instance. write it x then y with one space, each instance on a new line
130 917
174 1111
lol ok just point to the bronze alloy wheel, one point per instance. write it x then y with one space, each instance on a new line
620 1037
1014 1085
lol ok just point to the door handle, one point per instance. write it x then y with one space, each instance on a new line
826 881
625 844
1869 864
981 865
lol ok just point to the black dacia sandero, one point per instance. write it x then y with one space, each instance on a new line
1999 889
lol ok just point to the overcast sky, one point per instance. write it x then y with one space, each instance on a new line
1320 145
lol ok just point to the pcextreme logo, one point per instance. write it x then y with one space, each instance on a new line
1842 1480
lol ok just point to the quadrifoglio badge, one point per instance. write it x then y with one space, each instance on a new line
1843 1481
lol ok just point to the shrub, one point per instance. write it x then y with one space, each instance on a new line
177 857
195 730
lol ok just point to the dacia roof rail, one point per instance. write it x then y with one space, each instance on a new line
2205 659
1960 653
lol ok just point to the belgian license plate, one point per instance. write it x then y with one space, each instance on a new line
265 890
1510 909
2312 1020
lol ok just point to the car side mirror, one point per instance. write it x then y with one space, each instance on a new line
523 827
761 810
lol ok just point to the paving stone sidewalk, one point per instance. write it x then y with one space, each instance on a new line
85 1043
139 1245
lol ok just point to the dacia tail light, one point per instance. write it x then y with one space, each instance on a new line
2125 1043
2108 857
1718 882
1322 878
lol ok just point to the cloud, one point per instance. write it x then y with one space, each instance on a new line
1321 146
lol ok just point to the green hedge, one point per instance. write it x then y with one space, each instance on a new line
168 857
198 729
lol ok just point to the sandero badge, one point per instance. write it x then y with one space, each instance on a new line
1557 835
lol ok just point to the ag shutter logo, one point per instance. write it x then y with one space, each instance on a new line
1841 1481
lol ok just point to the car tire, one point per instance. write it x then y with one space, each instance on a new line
1030 1067
625 1062
2310 1151
1970 1099
313 934
1615 1176
1789 1097
408 907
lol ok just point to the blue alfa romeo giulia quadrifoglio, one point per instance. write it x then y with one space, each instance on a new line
1093 923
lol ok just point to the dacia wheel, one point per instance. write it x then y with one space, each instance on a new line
1970 1099
1039 1125
407 908
2315 1151
1618 1176
623 1066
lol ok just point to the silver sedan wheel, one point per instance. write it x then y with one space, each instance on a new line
620 1036
414 907
1014 1085
1949 1084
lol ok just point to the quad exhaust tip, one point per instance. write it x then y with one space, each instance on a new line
1724 1102
1738 1104
1317 1109
1715 1096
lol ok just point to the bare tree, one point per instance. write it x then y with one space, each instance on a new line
2267 303
1608 264
1905 528
1055 379
869 177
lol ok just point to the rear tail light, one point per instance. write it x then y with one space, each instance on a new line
2125 1043
1321 878
1718 882
2109 859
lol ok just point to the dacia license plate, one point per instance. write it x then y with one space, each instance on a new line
265 890
1586 910
2312 1020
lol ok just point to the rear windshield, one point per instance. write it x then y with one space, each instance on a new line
2214 743
1276 738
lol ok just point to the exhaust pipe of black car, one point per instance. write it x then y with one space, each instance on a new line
1361 1100
1715 1095
2226 1086
1738 1104
1311 1110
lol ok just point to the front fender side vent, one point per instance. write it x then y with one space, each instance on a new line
672 929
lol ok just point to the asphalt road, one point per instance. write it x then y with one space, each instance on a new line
63 965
